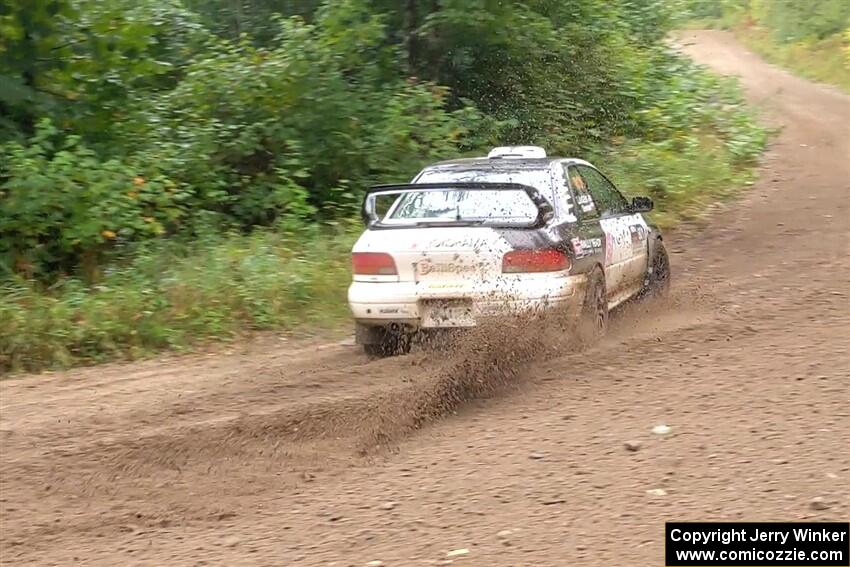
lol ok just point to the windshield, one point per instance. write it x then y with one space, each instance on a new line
463 205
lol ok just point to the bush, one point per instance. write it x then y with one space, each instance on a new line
63 206
264 133
174 295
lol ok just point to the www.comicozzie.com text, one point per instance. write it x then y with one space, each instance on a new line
727 536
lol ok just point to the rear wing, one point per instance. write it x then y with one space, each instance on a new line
368 212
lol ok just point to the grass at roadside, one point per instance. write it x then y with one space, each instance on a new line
826 60
170 296
683 177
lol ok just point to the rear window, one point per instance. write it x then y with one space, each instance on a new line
509 206
461 205
540 179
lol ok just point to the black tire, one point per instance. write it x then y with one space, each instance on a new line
391 343
594 315
657 282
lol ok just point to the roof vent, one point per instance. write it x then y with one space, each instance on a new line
517 152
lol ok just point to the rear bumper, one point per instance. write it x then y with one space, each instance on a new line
405 303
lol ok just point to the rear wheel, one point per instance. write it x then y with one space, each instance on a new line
380 342
594 316
657 282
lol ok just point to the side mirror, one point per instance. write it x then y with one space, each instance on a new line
641 205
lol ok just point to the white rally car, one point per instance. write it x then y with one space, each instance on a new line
482 237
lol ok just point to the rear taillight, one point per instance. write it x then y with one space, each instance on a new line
373 264
525 261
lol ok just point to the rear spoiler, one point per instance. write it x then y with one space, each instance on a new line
544 207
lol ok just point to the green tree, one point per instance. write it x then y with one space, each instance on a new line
30 44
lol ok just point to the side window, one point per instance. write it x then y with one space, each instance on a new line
582 193
608 200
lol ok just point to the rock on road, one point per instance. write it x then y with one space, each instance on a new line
217 459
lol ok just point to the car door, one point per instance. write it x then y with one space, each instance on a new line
625 233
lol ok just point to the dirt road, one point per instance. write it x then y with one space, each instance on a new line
308 454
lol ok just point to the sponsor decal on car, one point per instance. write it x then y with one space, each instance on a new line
427 267
578 247
585 247
638 234
468 242
586 203
445 285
